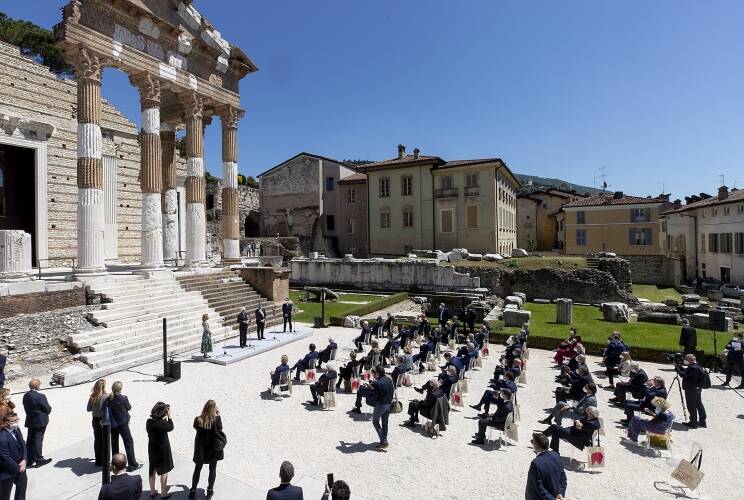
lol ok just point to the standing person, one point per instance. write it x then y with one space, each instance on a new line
546 478
287 314
243 325
95 406
208 446
206 342
158 447
37 410
443 315
260 321
470 319
286 490
3 360
692 383
122 485
688 337
118 407
384 390
735 358
6 405
12 459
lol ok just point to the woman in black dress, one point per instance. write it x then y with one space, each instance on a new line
208 446
158 447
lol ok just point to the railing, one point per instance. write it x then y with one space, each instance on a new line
445 193
472 191
63 259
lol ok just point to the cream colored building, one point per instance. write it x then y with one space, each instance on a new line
537 224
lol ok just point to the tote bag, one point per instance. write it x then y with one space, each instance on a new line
689 473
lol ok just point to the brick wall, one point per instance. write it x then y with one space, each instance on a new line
654 269
31 303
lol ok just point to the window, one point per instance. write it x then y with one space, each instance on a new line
445 182
351 226
739 243
580 217
581 237
715 212
384 188
725 242
640 236
330 183
385 220
726 210
640 215
713 243
446 223
472 217
471 180
330 223
407 217
406 185
351 196
740 209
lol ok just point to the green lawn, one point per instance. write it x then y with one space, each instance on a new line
592 328
312 309
529 263
655 293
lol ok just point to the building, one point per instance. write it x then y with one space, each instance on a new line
707 236
352 222
537 224
299 197
425 202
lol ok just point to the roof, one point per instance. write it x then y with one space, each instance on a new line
609 199
358 178
407 160
317 157
734 196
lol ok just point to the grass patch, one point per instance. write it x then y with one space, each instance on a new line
312 309
528 263
655 293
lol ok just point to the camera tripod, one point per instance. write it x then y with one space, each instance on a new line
714 363
681 395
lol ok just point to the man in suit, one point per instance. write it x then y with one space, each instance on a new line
122 485
654 388
504 408
490 396
304 363
384 391
326 381
286 490
424 327
3 360
452 361
470 319
260 321
243 325
364 336
635 385
391 349
688 337
37 411
546 478
734 358
579 434
287 314
443 315
325 354
12 459
692 383
426 406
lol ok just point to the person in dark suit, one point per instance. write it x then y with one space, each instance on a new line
286 490
575 390
470 319
304 363
426 406
276 375
452 361
260 321
207 449
326 381
12 459
243 326
347 371
692 384
425 327
546 478
159 452
287 314
364 336
37 410
384 391
688 337
118 407
399 370
442 315
392 347
579 434
504 408
654 388
425 350
490 396
122 485
734 358
3 360
325 355
635 385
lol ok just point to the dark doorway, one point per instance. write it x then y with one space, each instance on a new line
252 225
17 191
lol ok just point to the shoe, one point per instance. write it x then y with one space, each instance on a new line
478 441
546 421
210 493
313 403
356 410
476 407
192 494
690 425
134 467
419 390
703 425
42 462
740 386
625 422
483 415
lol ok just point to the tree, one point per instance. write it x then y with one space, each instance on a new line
251 182
35 42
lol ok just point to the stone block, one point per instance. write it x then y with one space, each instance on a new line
492 257
643 301
542 301
351 322
702 320
615 312
475 256
455 256
671 303
15 255
564 311
514 317
659 317
514 300
462 251
715 295
514 307
420 300
521 295
519 252
690 297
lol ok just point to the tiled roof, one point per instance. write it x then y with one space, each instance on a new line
357 178
733 197
462 163
312 155
406 160
606 199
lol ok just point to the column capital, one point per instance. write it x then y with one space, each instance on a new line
229 115
87 65
149 89
193 104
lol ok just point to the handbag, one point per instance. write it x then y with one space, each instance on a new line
522 377
457 399
310 375
463 386
407 380
595 456
512 430
396 407
689 473
485 352
431 366
478 362
355 383
220 440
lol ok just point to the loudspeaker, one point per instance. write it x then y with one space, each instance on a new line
717 320
174 369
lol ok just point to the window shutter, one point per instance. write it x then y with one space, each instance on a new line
649 235
647 214
631 233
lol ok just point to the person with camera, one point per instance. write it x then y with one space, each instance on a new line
338 491
158 447
735 359
692 375
209 445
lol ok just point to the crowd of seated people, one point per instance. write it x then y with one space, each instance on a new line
613 357
568 348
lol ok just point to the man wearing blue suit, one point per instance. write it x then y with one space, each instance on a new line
287 315
37 418
285 491
12 459
443 315
546 479
122 485
304 363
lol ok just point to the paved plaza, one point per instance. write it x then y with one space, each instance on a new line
263 432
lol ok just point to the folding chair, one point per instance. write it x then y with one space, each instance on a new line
284 385
332 355
329 395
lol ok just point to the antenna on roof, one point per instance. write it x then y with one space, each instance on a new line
722 178
602 176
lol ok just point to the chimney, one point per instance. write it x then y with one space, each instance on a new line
705 196
416 153
723 192
401 151
678 204
664 197
618 195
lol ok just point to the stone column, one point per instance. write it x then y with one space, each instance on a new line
169 200
564 311
196 229
230 212
90 213
151 177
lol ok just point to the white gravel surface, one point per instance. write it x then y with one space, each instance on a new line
262 433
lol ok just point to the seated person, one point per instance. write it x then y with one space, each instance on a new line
348 370
278 371
463 351
304 363
325 354
501 368
443 333
452 361
446 380
504 408
363 337
654 388
399 370
622 369
424 327
490 395
568 350
635 385
379 327
574 411
425 350
579 434
575 390
481 337
512 353
325 382
469 356
404 336
373 357
660 423
387 327
408 354
426 406
391 349
569 370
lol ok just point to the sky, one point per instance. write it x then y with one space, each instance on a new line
649 93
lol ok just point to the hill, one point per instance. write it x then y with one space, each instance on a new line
532 183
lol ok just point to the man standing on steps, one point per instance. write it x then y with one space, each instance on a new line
243 325
260 321
287 314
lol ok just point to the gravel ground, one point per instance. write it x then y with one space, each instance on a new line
262 433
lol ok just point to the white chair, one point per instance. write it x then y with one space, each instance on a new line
311 367
329 395
284 385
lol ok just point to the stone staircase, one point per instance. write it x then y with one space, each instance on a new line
226 292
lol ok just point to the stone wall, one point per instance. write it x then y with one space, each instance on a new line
654 269
270 282
248 204
31 303
394 275
619 269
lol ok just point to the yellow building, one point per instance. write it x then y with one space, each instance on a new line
537 225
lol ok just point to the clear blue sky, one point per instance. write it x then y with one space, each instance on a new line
651 90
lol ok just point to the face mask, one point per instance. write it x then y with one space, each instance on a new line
658 410
686 363
587 391
14 427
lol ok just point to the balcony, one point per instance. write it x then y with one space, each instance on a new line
472 191
445 193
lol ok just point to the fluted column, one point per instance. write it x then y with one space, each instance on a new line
196 229
169 200
90 214
230 213
151 177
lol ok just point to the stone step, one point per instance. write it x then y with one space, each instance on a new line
113 292
249 303
133 283
92 339
145 298
216 287
155 312
228 292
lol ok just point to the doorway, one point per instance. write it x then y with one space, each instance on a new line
17 192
